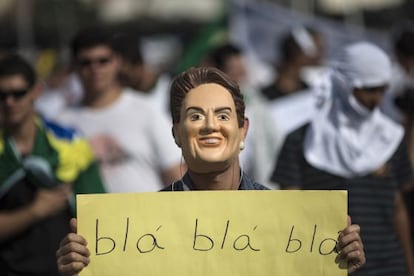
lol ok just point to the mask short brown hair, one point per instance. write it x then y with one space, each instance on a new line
196 76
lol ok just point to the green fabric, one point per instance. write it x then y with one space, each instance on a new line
8 163
11 170
11 161
211 34
43 149
87 181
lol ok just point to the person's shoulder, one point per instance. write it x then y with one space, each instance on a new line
258 186
135 95
167 189
73 149
141 99
249 184
68 115
298 133
58 130
176 186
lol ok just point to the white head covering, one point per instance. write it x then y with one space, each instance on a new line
305 41
345 138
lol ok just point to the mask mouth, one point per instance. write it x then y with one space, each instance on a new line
210 141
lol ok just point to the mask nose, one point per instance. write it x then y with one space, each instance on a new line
210 123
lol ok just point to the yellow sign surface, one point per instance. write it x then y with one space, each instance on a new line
213 233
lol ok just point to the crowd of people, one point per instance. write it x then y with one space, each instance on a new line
345 124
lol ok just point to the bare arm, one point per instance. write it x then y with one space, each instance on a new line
402 226
47 202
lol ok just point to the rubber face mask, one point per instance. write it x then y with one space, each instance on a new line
208 131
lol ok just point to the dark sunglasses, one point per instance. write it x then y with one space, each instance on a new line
16 94
85 62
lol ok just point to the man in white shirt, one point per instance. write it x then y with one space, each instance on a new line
130 137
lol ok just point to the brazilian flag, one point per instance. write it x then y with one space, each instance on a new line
59 156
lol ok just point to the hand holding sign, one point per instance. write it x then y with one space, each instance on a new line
350 246
72 255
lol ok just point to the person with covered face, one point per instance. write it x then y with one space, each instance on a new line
210 127
352 145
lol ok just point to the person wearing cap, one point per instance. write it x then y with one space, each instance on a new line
350 144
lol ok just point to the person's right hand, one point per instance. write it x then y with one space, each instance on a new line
107 150
49 202
72 255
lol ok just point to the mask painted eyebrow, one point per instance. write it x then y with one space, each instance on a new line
199 109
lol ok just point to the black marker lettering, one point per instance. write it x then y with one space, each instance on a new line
296 240
126 234
225 234
331 250
154 243
197 236
97 240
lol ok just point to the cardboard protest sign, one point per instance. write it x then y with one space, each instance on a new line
213 233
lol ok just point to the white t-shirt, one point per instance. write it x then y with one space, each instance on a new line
132 138
160 93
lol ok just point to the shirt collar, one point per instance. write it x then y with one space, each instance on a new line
187 184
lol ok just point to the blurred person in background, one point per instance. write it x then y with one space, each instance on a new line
263 141
130 137
402 86
41 163
399 100
301 67
350 144
139 75
316 66
400 97
299 49
61 88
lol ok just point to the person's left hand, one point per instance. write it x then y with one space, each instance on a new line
350 247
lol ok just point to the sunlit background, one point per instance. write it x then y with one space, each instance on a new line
176 33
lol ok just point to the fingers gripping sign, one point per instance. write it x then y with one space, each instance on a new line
72 255
350 247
